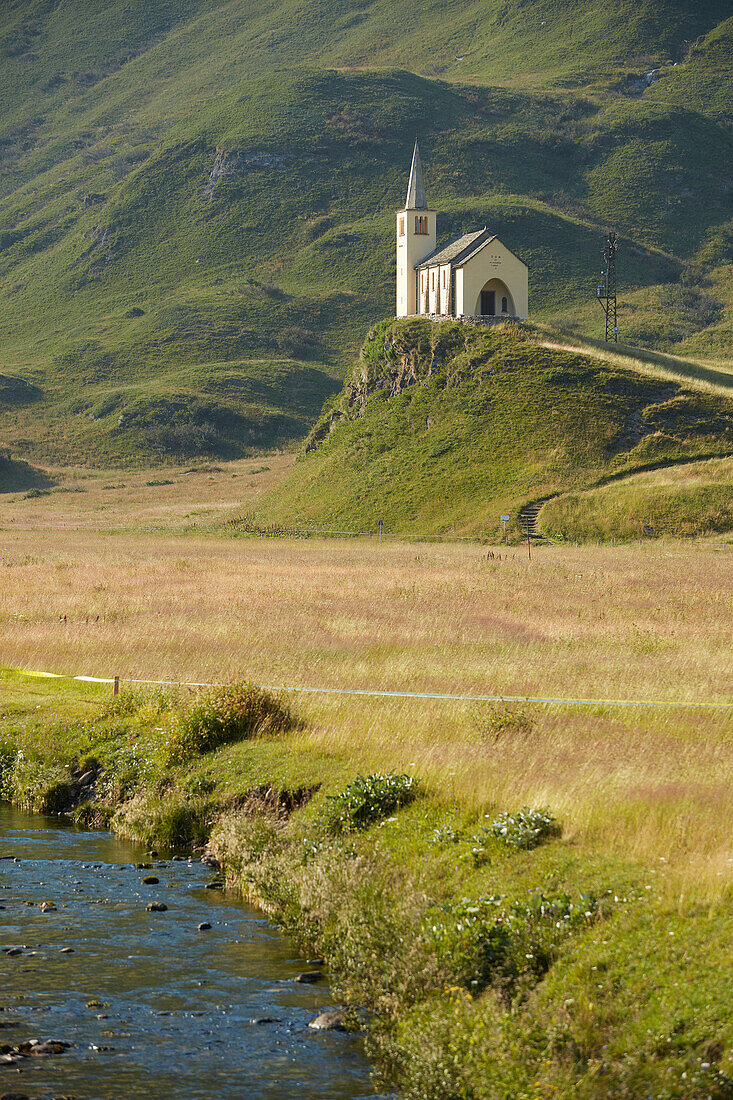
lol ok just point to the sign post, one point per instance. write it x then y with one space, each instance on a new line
504 521
380 530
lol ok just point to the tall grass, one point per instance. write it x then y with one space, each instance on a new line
649 622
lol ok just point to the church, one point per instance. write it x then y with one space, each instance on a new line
475 276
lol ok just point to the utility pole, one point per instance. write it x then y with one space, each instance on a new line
606 293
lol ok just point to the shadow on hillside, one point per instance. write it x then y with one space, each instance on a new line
674 364
16 391
17 476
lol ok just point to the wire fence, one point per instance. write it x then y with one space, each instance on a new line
665 704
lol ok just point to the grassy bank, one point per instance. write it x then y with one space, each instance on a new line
691 499
443 427
498 955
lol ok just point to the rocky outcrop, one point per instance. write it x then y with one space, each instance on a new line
229 161
391 360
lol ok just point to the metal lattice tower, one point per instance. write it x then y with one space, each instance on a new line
606 293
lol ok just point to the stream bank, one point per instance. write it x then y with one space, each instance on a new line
496 957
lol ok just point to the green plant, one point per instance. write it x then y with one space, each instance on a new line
526 828
498 722
221 715
491 939
444 834
367 799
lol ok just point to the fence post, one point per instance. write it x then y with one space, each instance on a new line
116 687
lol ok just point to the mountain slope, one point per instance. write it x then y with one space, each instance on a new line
177 210
444 427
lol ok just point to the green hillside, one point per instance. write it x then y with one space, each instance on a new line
444 427
196 200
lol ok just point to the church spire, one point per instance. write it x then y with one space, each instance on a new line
416 187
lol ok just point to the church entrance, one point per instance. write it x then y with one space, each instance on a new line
488 303
494 300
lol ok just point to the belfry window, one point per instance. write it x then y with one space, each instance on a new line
402 227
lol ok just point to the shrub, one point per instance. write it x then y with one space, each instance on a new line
497 723
444 834
221 715
491 939
526 828
368 799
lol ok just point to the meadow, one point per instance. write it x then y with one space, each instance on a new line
645 622
589 953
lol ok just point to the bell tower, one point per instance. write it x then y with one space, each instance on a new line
416 229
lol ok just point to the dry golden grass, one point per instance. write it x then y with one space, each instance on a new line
708 375
171 497
651 622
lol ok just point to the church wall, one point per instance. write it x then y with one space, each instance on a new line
445 306
495 261
458 309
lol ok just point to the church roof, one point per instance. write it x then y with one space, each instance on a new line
416 199
459 251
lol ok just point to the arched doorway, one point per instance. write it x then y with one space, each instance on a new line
495 300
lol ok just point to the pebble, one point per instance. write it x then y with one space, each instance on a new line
157 907
67 950
264 1020
330 1020
12 951
204 926
33 1048
47 907
142 866
214 885
51 1046
309 977
150 880
314 962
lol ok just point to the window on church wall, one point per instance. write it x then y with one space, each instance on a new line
402 227
443 278
432 281
504 305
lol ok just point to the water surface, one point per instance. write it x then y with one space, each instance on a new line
152 1006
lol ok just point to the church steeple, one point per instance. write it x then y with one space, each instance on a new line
416 187
416 228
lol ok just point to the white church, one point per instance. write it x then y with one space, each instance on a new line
475 276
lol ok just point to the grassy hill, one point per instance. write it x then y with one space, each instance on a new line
444 427
196 208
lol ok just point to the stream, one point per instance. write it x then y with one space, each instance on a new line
149 1005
